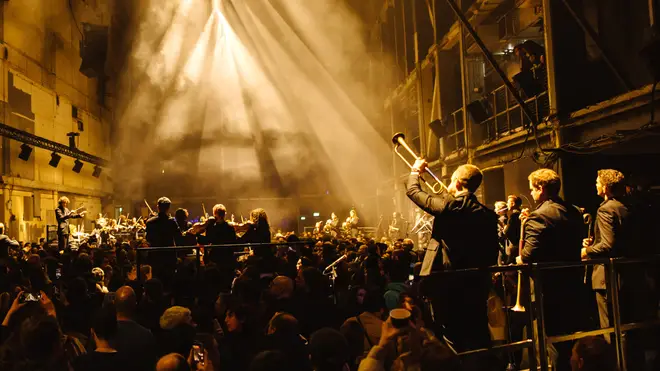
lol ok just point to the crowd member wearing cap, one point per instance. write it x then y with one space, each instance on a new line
163 231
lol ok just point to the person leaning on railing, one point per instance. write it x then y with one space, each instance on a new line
553 233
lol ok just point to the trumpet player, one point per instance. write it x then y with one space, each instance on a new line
464 236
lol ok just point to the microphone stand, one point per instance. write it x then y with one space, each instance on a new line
333 276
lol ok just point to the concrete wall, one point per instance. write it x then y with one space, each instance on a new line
40 84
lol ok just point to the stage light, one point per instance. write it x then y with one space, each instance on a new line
302 218
97 171
54 159
77 166
26 151
317 214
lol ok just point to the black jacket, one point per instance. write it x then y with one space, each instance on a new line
219 234
62 214
467 228
162 231
613 232
513 236
553 233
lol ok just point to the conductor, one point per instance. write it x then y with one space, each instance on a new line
63 214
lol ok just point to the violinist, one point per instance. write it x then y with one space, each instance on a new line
257 229
181 218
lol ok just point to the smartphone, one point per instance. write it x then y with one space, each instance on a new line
198 353
58 273
28 296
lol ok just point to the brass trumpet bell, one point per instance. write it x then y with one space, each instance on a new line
399 140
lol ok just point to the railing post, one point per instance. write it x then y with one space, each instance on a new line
540 317
613 292
137 262
530 319
198 259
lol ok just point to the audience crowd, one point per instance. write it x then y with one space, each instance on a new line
280 308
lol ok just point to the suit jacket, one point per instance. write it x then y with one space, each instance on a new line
613 232
218 234
553 233
62 214
162 231
513 237
466 228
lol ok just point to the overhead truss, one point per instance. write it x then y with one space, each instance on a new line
37 141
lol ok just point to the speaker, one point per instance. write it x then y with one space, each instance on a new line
479 110
439 128
93 50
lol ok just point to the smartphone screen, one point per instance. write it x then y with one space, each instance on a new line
198 353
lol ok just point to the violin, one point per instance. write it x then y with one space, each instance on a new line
241 227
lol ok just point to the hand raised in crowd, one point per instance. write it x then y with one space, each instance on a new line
200 366
47 304
15 305
389 333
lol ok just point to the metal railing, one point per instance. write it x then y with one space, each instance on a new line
535 309
455 139
507 116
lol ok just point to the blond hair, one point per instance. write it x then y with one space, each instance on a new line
547 180
613 181
469 176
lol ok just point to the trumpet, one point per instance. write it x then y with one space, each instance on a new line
519 307
399 140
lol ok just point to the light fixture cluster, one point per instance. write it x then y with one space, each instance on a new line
26 152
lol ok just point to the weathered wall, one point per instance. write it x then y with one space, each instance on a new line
41 83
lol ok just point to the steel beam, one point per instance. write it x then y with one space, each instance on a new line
37 141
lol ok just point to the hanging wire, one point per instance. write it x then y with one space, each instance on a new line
74 19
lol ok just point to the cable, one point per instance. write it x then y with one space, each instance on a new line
522 153
74 19
655 83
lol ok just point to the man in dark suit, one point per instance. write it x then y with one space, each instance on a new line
464 235
617 233
163 231
612 234
63 214
553 233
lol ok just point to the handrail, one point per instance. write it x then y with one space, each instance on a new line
534 271
229 245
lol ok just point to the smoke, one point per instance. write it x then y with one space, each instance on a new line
232 98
